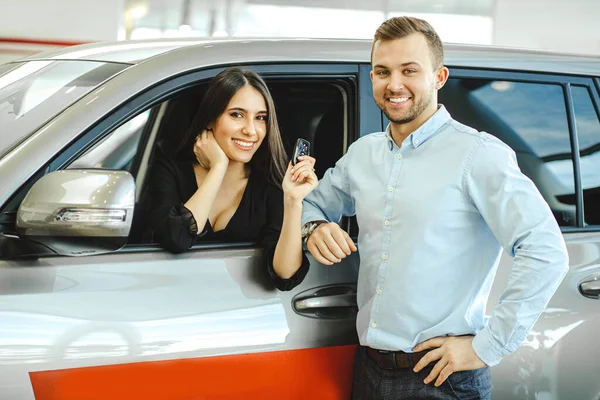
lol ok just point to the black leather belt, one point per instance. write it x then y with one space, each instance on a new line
394 359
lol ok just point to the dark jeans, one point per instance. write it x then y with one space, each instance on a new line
373 383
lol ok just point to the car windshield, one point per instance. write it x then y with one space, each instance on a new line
33 92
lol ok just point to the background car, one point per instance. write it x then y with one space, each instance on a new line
83 313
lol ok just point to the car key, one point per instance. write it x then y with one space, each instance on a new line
302 148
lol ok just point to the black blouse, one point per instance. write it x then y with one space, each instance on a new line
258 217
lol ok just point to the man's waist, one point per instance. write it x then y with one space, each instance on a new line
387 359
399 336
396 323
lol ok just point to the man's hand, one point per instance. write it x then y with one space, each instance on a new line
330 244
455 353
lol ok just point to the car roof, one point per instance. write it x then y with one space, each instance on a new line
318 50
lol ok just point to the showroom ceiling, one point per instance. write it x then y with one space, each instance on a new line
170 14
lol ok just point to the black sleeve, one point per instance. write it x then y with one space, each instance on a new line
271 233
174 225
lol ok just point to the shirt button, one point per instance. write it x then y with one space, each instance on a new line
398 156
417 141
390 188
386 222
378 291
384 256
373 325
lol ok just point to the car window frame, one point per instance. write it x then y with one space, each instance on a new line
565 81
594 91
171 87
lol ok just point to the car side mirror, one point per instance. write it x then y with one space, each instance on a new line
79 212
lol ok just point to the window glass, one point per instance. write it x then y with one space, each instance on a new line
314 110
532 119
535 112
33 92
588 132
118 149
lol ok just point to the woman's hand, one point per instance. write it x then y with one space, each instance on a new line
300 179
208 152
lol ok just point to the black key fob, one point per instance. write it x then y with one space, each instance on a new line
302 148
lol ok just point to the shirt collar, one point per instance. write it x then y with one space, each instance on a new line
425 131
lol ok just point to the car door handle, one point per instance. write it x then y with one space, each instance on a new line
327 302
590 288
337 300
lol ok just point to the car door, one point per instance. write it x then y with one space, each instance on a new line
551 122
143 323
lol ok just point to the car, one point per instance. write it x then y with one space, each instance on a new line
91 306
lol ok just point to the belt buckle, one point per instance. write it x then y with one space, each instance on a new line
387 353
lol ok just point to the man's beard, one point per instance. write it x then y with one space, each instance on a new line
416 110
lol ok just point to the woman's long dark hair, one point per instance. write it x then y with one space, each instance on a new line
270 158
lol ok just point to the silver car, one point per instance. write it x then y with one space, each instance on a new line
91 307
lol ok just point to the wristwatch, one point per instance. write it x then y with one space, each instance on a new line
308 228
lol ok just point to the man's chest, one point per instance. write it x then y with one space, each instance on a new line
411 188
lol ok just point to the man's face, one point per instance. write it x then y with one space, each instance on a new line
404 81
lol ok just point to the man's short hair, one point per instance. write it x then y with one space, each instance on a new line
400 27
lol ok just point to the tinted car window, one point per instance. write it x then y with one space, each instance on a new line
535 112
35 91
311 109
118 149
532 119
588 131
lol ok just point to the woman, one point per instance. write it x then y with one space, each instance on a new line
234 186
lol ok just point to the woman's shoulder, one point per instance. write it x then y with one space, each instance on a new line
170 164
165 170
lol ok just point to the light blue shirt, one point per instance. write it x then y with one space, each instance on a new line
434 216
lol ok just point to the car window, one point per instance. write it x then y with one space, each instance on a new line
313 109
117 150
535 112
588 132
33 92
532 119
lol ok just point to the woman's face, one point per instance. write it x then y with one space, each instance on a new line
242 127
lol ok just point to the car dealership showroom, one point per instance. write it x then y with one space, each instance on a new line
231 199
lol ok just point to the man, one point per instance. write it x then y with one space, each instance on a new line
436 202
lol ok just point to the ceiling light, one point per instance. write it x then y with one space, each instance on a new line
138 11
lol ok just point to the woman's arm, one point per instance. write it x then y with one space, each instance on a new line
173 225
298 182
283 238
210 156
288 253
202 200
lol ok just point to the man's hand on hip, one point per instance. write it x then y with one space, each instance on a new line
329 243
455 353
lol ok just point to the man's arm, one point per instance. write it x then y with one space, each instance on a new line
330 201
523 224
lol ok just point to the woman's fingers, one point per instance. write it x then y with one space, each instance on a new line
302 170
305 160
308 159
289 168
301 175
203 136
